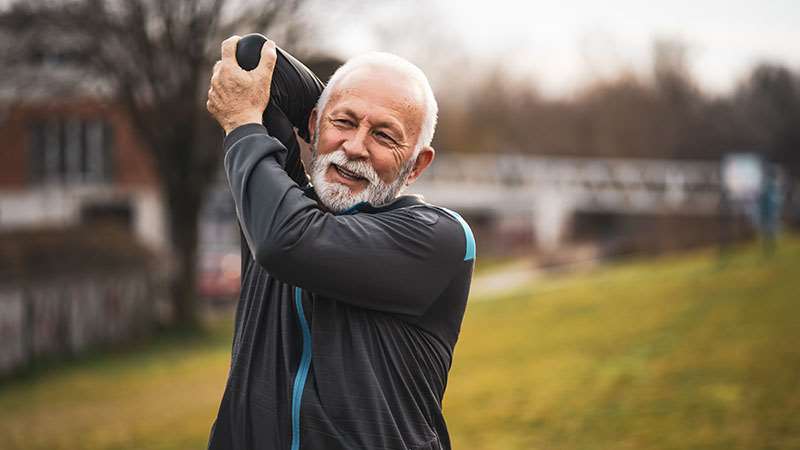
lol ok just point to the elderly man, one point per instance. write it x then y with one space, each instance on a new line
352 294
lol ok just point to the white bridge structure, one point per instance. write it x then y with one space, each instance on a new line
552 189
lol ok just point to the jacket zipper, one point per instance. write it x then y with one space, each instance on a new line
302 370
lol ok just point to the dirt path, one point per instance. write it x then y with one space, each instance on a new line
501 280
511 276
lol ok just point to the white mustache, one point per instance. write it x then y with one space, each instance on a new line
360 168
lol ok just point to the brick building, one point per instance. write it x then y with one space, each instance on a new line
71 160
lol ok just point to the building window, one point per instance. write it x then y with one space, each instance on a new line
71 150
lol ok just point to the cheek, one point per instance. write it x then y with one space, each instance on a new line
324 145
329 140
385 166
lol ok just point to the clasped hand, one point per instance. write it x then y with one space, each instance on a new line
236 96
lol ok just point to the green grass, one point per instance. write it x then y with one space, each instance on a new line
676 352
158 395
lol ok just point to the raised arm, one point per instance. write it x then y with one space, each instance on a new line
395 261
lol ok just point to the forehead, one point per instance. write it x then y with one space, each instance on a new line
380 94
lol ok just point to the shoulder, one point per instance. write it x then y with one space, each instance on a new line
449 226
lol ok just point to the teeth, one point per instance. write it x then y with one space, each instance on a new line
348 173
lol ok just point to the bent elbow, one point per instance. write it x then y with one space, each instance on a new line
278 259
268 254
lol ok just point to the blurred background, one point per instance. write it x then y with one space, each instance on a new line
630 170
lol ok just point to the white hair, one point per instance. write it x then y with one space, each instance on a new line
388 60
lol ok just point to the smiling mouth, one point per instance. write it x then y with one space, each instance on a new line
348 175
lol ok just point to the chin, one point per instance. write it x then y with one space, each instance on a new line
337 197
343 186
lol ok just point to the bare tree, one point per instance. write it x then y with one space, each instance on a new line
156 58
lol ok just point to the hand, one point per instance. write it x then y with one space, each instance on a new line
236 96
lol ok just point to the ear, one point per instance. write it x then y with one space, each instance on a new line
424 159
312 124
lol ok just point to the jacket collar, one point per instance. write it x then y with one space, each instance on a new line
400 202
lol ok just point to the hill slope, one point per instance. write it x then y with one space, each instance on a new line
668 353
674 353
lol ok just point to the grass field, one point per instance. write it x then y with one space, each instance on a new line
676 352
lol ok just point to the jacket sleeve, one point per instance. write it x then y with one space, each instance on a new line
396 261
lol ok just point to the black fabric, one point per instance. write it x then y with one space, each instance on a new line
294 91
384 291
279 126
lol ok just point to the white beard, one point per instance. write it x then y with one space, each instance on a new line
337 197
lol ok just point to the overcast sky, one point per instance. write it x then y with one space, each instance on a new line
566 42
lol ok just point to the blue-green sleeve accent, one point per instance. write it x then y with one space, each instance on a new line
470 251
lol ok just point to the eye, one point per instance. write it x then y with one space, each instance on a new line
384 137
342 123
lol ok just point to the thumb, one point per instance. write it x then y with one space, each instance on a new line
266 64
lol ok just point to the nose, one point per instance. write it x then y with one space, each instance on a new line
355 146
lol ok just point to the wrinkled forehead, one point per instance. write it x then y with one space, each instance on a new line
383 87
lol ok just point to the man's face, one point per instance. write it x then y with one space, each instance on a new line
363 146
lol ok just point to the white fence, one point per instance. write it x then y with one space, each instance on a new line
68 316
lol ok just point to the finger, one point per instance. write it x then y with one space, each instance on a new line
220 84
216 77
229 48
214 98
268 57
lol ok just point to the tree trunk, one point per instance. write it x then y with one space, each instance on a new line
184 232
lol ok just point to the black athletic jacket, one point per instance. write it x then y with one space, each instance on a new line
346 323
